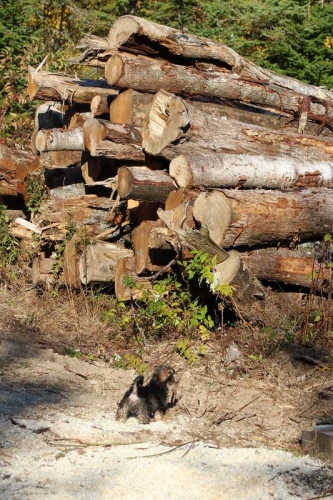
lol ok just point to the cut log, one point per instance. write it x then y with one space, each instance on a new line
98 262
59 87
130 107
149 75
100 105
15 166
141 183
60 140
113 140
126 269
42 271
71 263
228 170
48 115
200 240
174 127
139 35
140 236
237 217
294 267
61 159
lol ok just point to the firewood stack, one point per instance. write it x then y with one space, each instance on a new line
184 145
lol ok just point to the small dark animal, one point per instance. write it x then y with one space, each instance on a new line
147 401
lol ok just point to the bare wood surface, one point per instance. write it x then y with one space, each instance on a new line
48 115
174 127
230 170
100 105
60 140
112 140
141 183
99 261
295 267
15 166
71 263
140 237
130 107
41 271
49 86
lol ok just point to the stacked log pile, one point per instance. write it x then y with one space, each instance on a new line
184 145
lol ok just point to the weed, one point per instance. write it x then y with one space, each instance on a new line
35 191
72 353
9 245
59 264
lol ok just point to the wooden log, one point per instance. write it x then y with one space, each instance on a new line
294 267
59 87
140 236
126 269
100 105
42 271
15 167
60 159
71 262
229 170
48 115
141 183
112 140
130 107
173 127
241 217
149 75
60 140
142 36
98 262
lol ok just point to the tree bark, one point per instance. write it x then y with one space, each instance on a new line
113 140
48 115
130 107
150 75
15 166
98 262
139 35
60 140
141 183
229 170
294 267
237 217
59 87
174 127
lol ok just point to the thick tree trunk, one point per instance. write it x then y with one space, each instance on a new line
294 267
112 140
174 127
98 262
15 166
149 75
142 36
130 107
60 140
141 183
229 170
58 87
250 218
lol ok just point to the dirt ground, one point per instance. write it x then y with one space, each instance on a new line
227 438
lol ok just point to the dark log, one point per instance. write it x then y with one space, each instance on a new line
59 87
141 183
229 170
174 127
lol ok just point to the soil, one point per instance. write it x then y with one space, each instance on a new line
232 435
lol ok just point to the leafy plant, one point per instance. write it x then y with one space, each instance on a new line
9 245
36 191
59 264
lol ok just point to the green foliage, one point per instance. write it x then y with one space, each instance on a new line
131 361
9 245
59 264
72 353
36 191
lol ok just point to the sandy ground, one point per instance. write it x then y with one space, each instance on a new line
226 439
